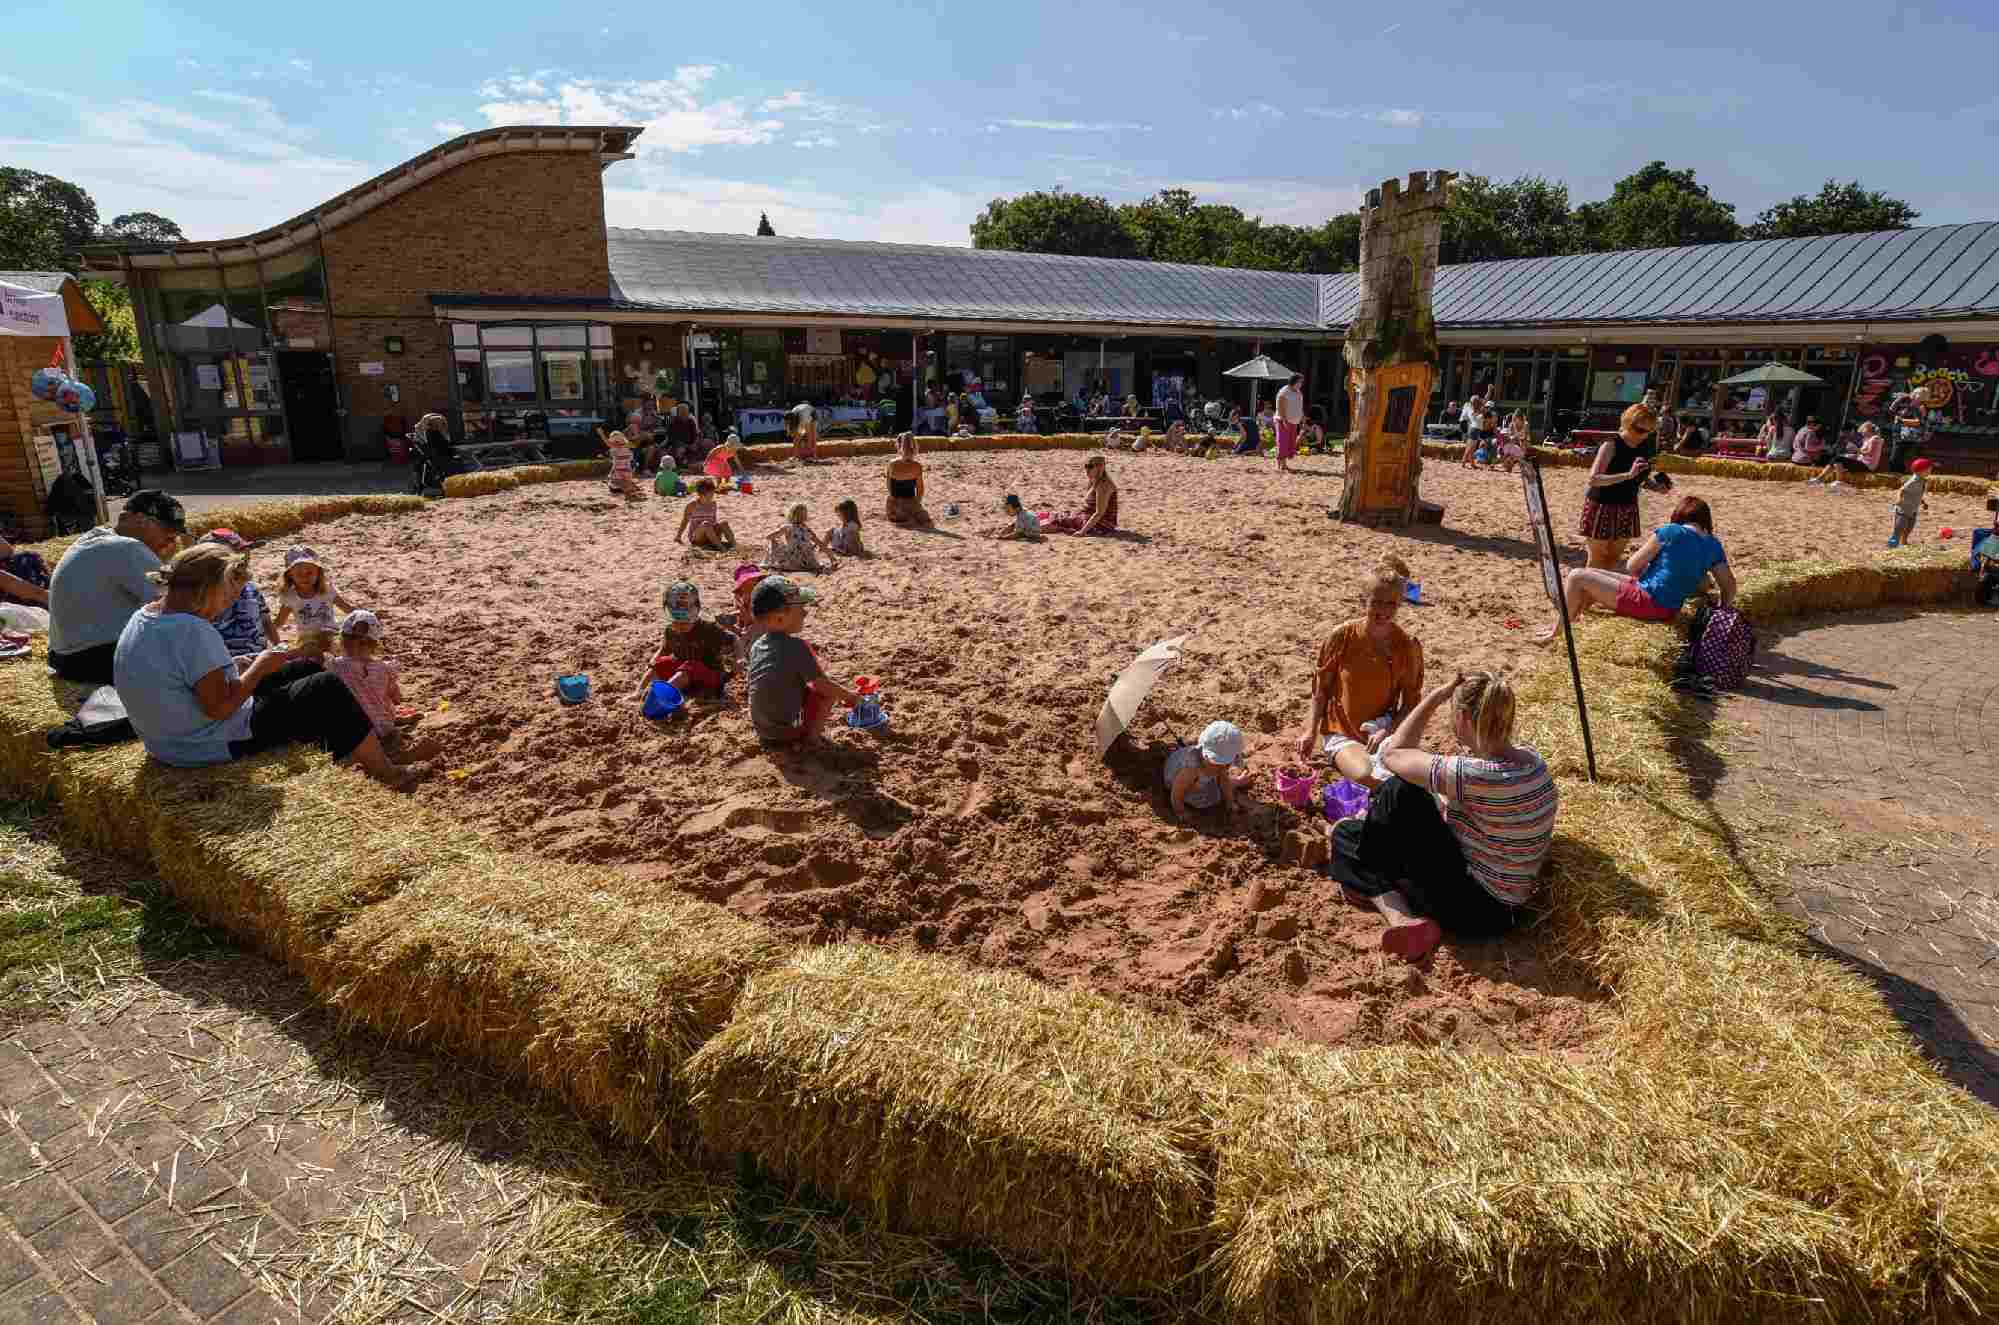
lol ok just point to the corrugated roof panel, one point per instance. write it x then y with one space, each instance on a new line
1837 258
1574 298
1903 254
1976 271
1641 287
1920 288
1751 272
48 282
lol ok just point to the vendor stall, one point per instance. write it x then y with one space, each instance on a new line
44 430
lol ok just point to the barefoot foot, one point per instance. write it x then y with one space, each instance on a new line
1412 942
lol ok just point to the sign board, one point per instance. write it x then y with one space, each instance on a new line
208 376
822 340
1551 580
372 370
701 340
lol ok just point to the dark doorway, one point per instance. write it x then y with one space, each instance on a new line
311 405
1566 402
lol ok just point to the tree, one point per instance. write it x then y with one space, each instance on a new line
764 228
1657 207
1054 222
142 228
44 221
1839 209
1529 217
119 341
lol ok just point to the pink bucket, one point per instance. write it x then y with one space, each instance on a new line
1294 787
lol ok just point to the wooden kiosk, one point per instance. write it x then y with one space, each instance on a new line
38 441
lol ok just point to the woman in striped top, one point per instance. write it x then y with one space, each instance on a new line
1498 800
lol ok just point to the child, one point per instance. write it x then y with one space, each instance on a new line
1908 502
845 538
376 685
620 448
1515 448
748 577
721 462
246 628
1176 437
694 655
790 694
1021 522
1204 774
793 546
307 591
1487 438
701 520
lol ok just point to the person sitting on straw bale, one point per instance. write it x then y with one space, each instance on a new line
247 627
793 545
845 537
1774 439
1368 674
701 522
905 485
193 704
1808 445
104 576
1142 442
376 684
24 577
1470 867
1020 523
695 656
1610 506
1663 573
1207 773
1099 511
307 592
790 693
1176 438
1865 459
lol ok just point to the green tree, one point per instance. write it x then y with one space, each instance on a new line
142 228
1657 207
1839 209
119 341
1529 217
1054 221
44 221
1175 226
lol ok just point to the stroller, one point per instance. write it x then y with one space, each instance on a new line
432 460
72 504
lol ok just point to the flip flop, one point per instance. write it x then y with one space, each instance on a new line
1514 623
1412 943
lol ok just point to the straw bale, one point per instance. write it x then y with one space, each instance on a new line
549 975
481 483
975 1104
1551 457
575 469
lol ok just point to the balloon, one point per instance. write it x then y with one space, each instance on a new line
75 398
46 382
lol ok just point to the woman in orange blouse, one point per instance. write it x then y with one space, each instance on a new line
1369 673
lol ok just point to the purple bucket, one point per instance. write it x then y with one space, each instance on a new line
1345 798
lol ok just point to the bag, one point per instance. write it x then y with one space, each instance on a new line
1724 648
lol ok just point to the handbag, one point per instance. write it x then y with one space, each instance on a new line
1724 647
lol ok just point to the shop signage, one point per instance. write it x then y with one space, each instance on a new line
372 370
701 340
822 340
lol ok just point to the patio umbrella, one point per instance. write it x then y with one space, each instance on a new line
1262 368
1772 374
1133 684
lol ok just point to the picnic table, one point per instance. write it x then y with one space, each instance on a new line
1736 448
499 455
1441 432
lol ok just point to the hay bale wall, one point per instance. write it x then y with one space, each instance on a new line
1556 458
977 1105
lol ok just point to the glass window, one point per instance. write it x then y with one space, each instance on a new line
763 365
600 373
562 373
465 333
506 336
295 300
244 298
510 375
562 336
600 336
1516 379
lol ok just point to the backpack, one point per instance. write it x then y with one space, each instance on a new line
1723 647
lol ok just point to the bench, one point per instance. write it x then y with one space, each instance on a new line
1735 448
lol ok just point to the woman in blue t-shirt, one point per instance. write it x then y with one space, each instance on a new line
1666 569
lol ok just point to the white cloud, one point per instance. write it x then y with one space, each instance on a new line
303 66
823 140
256 110
1071 126
795 99
1392 27
1408 117
449 128
1255 110
673 111
669 200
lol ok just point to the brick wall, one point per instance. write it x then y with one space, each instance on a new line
523 223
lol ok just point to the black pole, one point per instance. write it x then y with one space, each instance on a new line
1547 552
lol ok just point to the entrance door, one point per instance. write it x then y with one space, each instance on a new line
311 405
1571 390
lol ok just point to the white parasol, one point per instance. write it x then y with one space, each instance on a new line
1133 684
1262 368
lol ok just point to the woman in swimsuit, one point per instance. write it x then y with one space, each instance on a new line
905 485
1099 514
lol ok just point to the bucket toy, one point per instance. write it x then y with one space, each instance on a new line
868 714
663 700
1413 591
1295 787
743 485
573 688
1345 798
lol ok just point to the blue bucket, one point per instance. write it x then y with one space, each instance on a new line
663 700
572 689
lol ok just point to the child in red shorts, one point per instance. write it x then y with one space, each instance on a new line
694 655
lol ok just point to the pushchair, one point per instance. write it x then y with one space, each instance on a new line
432 460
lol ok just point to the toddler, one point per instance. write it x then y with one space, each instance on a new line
790 694
246 628
748 577
1514 448
845 537
793 546
721 462
701 520
376 685
1021 522
307 592
620 448
1908 502
694 655
1203 775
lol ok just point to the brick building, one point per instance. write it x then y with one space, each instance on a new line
480 280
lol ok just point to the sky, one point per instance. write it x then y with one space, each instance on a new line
889 122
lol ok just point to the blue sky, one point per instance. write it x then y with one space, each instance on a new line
884 121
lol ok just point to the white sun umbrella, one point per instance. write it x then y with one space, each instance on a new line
1262 368
1133 684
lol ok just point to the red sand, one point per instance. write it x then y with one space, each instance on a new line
978 822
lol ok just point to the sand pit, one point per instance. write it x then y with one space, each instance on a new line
978 823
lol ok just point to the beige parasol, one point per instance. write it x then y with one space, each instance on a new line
1134 683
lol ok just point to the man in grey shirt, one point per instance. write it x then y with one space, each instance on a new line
101 581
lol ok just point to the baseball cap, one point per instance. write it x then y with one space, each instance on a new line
1221 743
157 505
1919 466
361 624
682 601
229 538
776 592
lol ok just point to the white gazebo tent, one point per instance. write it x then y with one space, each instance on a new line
29 313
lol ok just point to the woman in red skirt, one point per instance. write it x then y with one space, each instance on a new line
1610 506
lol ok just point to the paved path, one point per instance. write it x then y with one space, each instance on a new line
1869 754
201 490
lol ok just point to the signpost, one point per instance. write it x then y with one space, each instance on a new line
1551 580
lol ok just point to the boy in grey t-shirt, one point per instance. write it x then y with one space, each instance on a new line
1908 502
789 691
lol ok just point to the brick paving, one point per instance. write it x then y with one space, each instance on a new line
1868 756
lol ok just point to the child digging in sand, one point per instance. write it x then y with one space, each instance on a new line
1205 774
1020 522
307 592
793 545
845 537
376 685
701 520
695 656
790 694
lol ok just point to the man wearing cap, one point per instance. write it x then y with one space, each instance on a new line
101 581
790 694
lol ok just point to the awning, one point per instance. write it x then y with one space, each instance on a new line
26 312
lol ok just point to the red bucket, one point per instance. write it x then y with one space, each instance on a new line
399 450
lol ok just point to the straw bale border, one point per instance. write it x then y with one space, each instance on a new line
1009 441
976 1104
1555 458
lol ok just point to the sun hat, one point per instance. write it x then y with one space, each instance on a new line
748 573
229 538
1919 466
361 624
777 592
302 555
682 601
1221 743
157 505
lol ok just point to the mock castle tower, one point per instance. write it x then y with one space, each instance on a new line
1391 349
